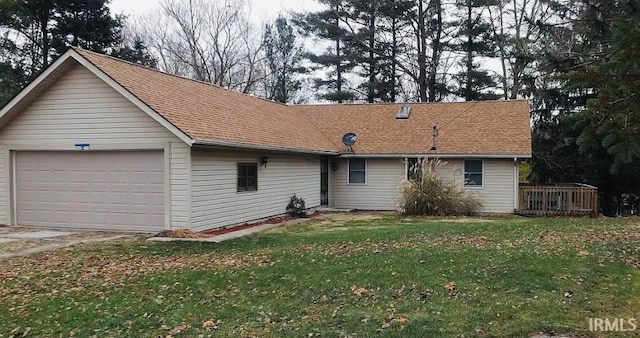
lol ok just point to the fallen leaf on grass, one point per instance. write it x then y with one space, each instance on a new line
359 291
180 328
400 320
451 286
208 323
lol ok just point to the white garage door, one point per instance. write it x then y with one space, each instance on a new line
104 190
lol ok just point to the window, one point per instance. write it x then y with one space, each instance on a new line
414 169
247 177
473 173
357 170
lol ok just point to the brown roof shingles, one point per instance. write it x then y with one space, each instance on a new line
483 128
209 113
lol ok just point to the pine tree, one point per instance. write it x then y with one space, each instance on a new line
327 25
34 32
474 39
588 125
396 16
363 46
87 24
136 53
283 58
27 35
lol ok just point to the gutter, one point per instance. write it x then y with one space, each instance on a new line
223 144
401 155
235 145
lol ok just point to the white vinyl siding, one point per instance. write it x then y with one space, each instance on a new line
81 108
384 177
380 192
217 203
498 192
180 181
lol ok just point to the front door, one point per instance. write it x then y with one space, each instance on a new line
324 181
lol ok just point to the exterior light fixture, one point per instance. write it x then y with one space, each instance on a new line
264 160
334 165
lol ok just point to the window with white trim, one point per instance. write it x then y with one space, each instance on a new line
247 177
473 173
357 171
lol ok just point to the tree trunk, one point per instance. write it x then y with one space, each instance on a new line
338 59
372 55
422 54
468 96
394 61
45 13
436 51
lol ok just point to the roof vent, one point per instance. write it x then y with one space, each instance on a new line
403 113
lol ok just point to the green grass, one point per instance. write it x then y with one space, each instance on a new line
513 277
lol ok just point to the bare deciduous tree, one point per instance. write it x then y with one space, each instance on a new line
519 42
208 40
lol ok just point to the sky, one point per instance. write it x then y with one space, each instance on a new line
260 9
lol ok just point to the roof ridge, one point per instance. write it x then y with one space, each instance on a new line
410 103
82 50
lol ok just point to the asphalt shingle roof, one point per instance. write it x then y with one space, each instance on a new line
206 112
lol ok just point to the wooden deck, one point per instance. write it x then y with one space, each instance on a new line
557 200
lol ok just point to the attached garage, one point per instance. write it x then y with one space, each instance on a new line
78 151
103 190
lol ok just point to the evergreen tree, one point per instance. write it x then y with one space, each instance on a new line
87 24
396 16
364 47
36 31
375 44
26 38
137 53
328 25
283 58
474 39
12 79
587 129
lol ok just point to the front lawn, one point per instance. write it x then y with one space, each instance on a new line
350 276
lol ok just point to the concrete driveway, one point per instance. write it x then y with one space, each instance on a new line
20 241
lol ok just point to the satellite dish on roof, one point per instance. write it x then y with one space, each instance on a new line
349 139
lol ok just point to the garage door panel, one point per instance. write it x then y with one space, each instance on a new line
117 190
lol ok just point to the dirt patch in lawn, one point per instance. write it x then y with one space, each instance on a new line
467 220
184 233
330 222
18 246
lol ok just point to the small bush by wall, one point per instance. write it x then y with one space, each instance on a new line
425 193
296 207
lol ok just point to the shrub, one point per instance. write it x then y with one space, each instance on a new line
296 207
425 193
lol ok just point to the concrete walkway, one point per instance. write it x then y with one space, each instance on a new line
231 235
22 241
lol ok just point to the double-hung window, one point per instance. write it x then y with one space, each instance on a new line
357 171
247 177
473 173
